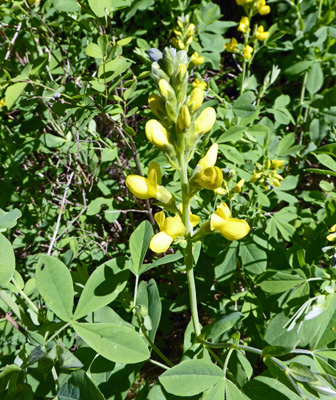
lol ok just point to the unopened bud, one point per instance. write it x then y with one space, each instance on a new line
205 121
155 104
196 99
184 119
156 134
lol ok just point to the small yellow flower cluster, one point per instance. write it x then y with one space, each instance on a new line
2 102
332 236
267 174
251 7
184 33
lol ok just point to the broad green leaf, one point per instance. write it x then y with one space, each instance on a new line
315 78
111 69
298 68
103 45
243 107
264 387
103 286
327 161
13 92
191 377
245 364
54 282
217 392
327 149
66 5
170 258
254 259
231 135
278 281
115 342
139 242
6 374
275 351
301 373
148 296
125 41
232 392
93 50
226 262
222 325
80 387
98 7
7 261
331 353
321 171
9 219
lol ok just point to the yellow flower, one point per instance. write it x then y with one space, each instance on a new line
196 99
180 45
247 52
277 163
243 24
196 59
230 228
181 70
231 46
256 176
261 34
262 8
164 87
155 104
332 236
157 134
2 102
146 188
205 120
210 178
191 29
170 229
184 119
209 160
199 84
238 187
177 32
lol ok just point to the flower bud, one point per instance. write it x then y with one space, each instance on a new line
210 178
177 32
196 99
199 84
205 121
191 30
277 163
168 60
180 45
243 24
184 119
209 160
156 134
238 187
268 164
138 185
164 88
156 104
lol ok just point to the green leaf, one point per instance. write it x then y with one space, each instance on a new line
148 296
103 44
275 351
139 242
93 50
8 219
115 342
170 258
6 374
253 258
226 262
327 161
232 392
301 373
191 377
321 171
13 92
111 69
243 107
278 281
298 68
231 135
103 286
222 325
66 5
98 7
80 387
315 78
54 282
7 261
217 392
264 387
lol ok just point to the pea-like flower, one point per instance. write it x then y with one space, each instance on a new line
262 8
244 24
230 228
205 121
157 134
147 188
231 47
191 30
197 59
184 120
155 104
238 187
199 84
247 52
196 99
332 236
170 229
261 34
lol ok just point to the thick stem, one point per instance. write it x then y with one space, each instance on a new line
188 252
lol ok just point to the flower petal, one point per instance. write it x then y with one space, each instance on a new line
234 229
160 242
138 185
174 227
160 219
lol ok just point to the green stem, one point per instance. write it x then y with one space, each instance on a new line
188 252
226 363
158 364
319 10
243 77
31 304
59 331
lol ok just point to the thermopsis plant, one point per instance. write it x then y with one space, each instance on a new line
177 131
